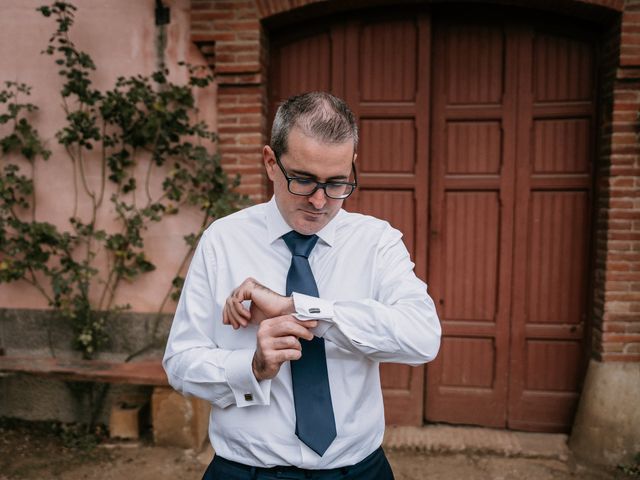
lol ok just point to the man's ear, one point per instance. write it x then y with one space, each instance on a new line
269 160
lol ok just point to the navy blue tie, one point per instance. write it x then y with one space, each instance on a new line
315 422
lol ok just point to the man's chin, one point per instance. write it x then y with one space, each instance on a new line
310 225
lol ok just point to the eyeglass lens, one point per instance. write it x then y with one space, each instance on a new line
307 187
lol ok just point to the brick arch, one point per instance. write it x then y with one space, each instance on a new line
270 8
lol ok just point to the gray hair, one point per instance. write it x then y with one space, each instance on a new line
319 115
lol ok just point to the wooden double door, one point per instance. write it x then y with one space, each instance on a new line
476 141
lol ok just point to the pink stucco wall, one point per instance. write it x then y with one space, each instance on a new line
120 35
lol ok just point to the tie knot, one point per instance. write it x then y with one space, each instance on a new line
300 245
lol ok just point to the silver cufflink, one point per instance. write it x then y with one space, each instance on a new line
314 310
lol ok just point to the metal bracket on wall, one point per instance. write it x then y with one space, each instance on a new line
163 13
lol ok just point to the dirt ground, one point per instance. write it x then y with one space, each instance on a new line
38 452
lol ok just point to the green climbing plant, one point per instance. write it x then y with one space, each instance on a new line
143 124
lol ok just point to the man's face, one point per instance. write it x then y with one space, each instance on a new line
307 157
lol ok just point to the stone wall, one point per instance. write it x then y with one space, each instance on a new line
37 333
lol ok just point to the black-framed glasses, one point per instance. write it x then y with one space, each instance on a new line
306 186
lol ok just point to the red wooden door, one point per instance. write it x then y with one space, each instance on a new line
555 149
380 66
472 209
476 143
511 163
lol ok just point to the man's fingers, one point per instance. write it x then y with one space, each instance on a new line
286 343
243 292
288 325
226 316
281 356
239 309
278 342
235 315
235 320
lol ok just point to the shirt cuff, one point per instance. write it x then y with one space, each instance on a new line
243 383
314 308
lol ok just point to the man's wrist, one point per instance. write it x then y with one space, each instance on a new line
289 307
254 368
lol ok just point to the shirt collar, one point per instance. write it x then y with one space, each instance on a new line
277 226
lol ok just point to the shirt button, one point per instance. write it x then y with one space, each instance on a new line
248 397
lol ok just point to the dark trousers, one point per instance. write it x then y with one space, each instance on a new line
374 467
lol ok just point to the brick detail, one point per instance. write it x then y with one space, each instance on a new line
616 297
269 8
234 37
630 38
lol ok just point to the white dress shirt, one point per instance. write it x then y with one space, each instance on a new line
373 309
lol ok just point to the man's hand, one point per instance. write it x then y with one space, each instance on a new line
278 342
265 303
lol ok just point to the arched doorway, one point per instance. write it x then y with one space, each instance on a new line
477 142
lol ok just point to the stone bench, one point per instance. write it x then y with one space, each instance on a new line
146 372
176 420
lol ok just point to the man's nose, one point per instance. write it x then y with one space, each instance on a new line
318 199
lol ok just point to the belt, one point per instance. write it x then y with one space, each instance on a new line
291 472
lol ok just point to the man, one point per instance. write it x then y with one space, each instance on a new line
290 305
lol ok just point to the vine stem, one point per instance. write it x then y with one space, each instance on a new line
158 316
147 179
110 289
75 182
112 292
107 283
33 197
147 182
31 162
83 178
103 173
34 281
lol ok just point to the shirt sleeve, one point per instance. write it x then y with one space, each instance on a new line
194 363
398 324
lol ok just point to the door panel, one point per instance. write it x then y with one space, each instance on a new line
472 197
376 64
387 146
307 62
553 203
388 59
297 73
562 68
556 284
473 63
473 147
471 256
